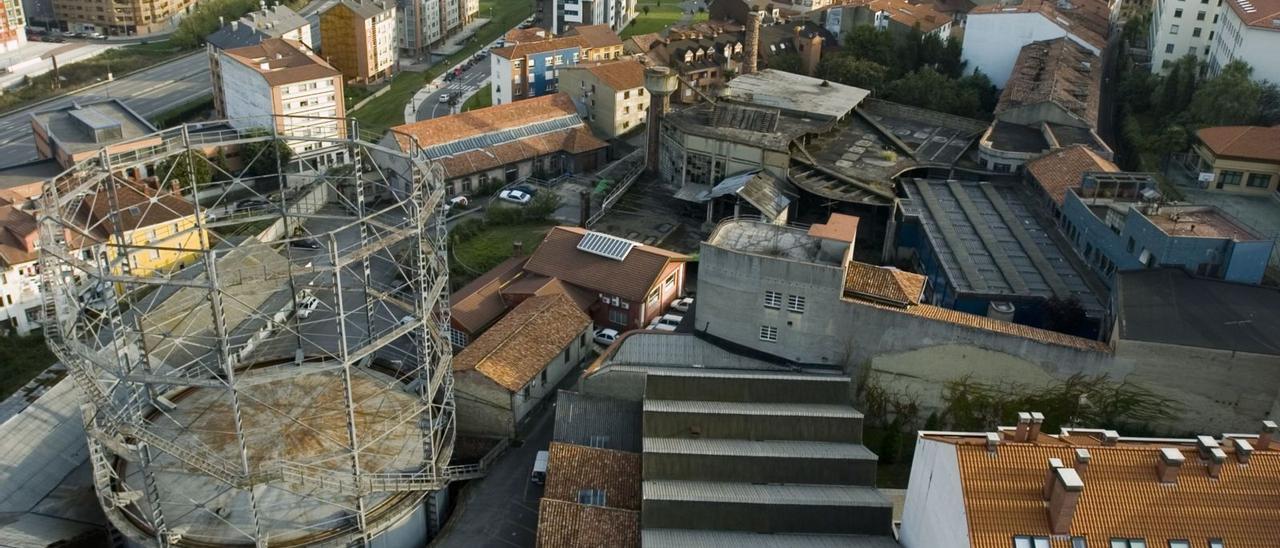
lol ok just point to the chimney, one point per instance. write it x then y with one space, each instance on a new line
222 21
1243 451
1216 458
1036 420
1205 445
1050 477
752 48
1264 438
517 248
660 83
1170 461
1024 424
1082 461
1109 438
1064 496
235 25
993 442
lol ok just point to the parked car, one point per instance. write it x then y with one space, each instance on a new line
682 305
456 201
606 336
307 306
305 243
445 97
53 39
97 36
526 188
539 473
666 322
515 196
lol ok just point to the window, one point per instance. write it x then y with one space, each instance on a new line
618 316
795 303
768 333
591 497
542 378
1196 33
626 109
1177 13
1128 543
1200 16
626 94
1180 543
582 340
1168 48
458 338
1129 247
772 299
1030 542
1216 543
1229 178
669 283
1259 180
566 360
1174 29
1078 542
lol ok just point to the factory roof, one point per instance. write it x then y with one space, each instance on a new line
598 421
990 242
718 492
571 524
614 475
703 538
1170 306
523 342
795 93
282 62
1057 71
1060 170
84 127
650 351
1245 142
561 256
798 449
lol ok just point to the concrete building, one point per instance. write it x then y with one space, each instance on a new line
19 274
1238 159
610 93
898 16
277 21
567 14
517 363
1250 32
121 19
1049 101
421 24
1022 487
1180 28
542 137
531 69
995 33
74 133
360 39
282 85
13 26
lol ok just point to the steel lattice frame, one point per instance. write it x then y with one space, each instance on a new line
218 411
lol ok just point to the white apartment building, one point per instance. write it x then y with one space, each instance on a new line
995 33
572 13
1180 28
422 23
276 84
1250 31
19 273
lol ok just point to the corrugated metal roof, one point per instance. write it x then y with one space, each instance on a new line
687 538
597 421
759 409
727 492
770 448
682 351
769 375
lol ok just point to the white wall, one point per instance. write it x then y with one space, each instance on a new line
19 291
500 77
247 95
934 513
1258 47
992 41
1163 36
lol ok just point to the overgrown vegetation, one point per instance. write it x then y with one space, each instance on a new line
204 18
22 359
480 243
116 61
911 68
483 98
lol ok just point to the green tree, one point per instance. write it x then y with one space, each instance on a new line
787 62
266 157
988 94
1230 98
950 61
926 88
849 70
1268 105
1173 138
1178 87
176 169
907 51
204 20
871 44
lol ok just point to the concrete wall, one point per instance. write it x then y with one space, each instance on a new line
1167 47
748 389
1255 46
483 407
752 427
934 512
538 389
500 74
992 41
247 95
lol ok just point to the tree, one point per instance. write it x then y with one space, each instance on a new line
1173 138
645 9
847 69
1268 105
1230 98
787 62
988 94
266 157
175 170
950 61
925 88
906 51
872 44
1178 87
1064 315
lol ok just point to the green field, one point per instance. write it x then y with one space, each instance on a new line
662 14
21 359
482 98
387 110
483 251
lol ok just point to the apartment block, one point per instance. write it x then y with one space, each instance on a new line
360 39
531 69
991 43
277 21
19 272
567 14
13 26
421 24
898 16
121 18
610 92
1180 28
1250 32
280 84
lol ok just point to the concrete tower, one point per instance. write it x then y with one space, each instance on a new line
660 83
752 56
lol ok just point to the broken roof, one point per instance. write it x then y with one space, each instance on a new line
795 93
1245 142
1063 169
883 284
558 256
1057 71
523 342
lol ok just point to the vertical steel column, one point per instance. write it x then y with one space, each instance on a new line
340 316
354 156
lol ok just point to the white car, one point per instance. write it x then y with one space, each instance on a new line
456 201
682 305
515 196
606 336
666 322
307 306
444 98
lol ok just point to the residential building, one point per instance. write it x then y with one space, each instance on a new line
1058 172
13 26
20 302
360 39
154 228
898 16
421 24
1180 28
1023 487
610 93
1249 32
632 283
517 363
277 21
121 19
531 69
541 137
1049 101
476 306
592 497
1238 159
282 85
991 47
567 14
74 133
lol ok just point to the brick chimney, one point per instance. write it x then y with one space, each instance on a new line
1264 438
1046 490
1033 433
1244 450
751 50
1170 461
660 83
1063 497
1082 461
1205 445
1024 425
1216 458
993 443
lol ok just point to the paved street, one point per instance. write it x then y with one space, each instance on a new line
471 80
149 92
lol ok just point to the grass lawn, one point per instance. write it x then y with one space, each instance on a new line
481 99
21 359
119 61
387 110
477 254
662 14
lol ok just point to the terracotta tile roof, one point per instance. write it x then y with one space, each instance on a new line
1121 497
1089 20
596 36
641 43
908 14
619 75
1057 71
838 227
525 49
1247 142
287 61
572 468
524 341
572 141
1060 170
1263 14
571 525
17 236
480 303
139 207
883 284
531 34
558 256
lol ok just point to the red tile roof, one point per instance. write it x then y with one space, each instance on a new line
17 236
287 61
571 525
573 468
480 303
1263 14
838 227
619 75
596 36
558 256
1244 142
1057 71
522 343
1061 170
883 284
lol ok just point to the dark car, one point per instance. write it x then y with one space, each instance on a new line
252 203
305 243
53 39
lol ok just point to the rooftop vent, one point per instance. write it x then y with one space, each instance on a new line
1169 463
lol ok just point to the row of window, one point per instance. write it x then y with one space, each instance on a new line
1028 541
1233 178
795 303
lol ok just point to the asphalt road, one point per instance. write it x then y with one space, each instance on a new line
471 80
149 92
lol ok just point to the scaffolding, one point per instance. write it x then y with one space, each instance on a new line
260 336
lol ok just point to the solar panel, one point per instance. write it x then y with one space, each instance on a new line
499 137
605 245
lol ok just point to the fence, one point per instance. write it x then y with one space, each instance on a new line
626 170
